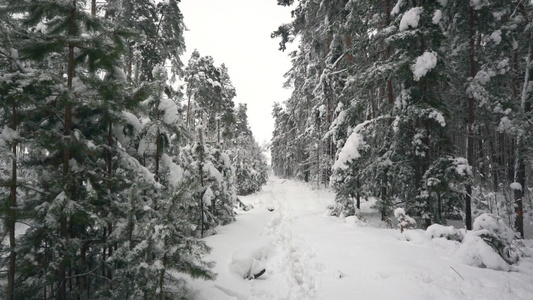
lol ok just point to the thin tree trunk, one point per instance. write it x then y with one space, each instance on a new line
471 119
109 159
12 214
520 175
62 292
201 166
520 178
390 95
162 279
349 56
520 167
157 154
358 204
384 197
189 100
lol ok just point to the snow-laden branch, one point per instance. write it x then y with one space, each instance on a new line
350 150
326 72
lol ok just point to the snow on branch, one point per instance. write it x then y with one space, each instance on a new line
350 151
410 18
424 63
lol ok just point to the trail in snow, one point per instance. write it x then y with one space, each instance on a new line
309 255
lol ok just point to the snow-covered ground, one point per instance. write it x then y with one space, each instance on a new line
310 255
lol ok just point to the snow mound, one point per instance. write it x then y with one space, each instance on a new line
448 232
489 245
355 221
249 261
475 252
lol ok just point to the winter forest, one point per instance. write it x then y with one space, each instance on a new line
424 105
121 160
116 168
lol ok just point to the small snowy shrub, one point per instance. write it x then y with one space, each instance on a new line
493 230
489 244
404 221
474 251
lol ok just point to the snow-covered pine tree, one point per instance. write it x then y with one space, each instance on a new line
20 88
68 41
251 171
89 207
318 76
210 104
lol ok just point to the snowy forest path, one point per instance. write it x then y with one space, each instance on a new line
308 254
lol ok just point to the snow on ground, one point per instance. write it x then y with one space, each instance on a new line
310 255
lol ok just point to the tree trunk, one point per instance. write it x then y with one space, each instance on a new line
188 110
390 95
12 214
201 166
520 177
69 187
109 159
358 204
162 279
520 167
157 154
384 197
471 119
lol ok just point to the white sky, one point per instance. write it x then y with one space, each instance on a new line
237 33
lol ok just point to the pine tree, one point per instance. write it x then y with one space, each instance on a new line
92 206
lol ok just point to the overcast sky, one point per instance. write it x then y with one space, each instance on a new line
237 33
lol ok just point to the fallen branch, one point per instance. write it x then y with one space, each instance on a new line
457 273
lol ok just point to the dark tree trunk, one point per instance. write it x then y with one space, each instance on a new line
358 203
519 194
471 119
12 219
